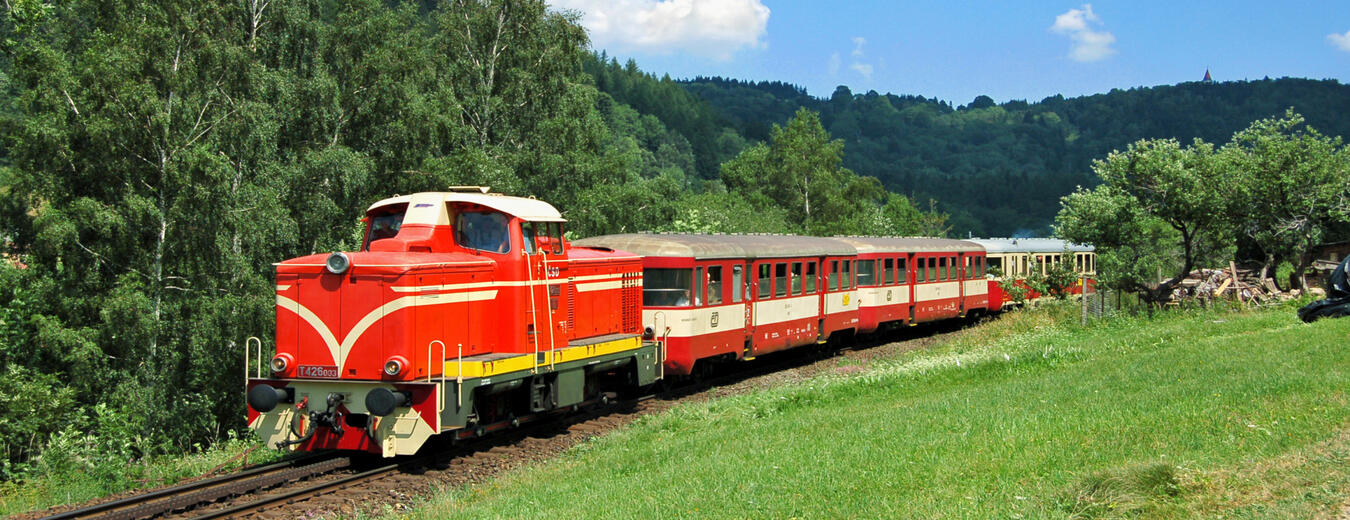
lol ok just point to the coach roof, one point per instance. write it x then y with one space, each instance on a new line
713 247
1029 245
909 245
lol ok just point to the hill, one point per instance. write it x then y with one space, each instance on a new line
997 168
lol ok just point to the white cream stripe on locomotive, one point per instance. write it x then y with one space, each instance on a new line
340 350
617 281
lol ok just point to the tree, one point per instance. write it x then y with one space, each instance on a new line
1152 182
1293 184
799 170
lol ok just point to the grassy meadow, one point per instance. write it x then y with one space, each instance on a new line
1199 413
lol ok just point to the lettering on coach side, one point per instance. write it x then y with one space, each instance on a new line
714 319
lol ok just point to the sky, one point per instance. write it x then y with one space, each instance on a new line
957 50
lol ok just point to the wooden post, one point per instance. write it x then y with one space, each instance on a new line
1083 281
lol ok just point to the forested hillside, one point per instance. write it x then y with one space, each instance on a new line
1000 169
997 169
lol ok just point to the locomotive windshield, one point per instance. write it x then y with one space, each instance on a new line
384 223
482 230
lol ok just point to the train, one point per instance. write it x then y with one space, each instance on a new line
466 312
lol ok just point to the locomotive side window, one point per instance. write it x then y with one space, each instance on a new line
780 279
385 223
714 284
811 277
483 231
527 237
666 287
765 280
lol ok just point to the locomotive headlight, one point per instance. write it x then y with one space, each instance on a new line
338 263
394 366
280 363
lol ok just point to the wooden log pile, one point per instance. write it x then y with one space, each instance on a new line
1244 285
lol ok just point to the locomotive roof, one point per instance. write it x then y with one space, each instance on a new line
528 209
1030 245
712 247
908 244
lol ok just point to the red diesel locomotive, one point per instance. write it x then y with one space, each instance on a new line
463 311
466 312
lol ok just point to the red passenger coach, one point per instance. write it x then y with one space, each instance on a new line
728 297
914 280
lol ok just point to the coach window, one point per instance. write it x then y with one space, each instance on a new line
846 280
780 279
901 273
666 287
765 280
736 277
834 275
698 286
714 284
797 278
811 277
866 269
888 272
919 274
932 270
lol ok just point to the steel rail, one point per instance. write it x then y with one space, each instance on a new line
191 493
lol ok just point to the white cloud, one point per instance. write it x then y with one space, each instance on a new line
862 68
712 28
1088 44
865 69
835 62
1341 41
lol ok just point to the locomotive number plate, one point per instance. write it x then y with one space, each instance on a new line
327 372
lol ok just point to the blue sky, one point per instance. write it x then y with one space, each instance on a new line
958 50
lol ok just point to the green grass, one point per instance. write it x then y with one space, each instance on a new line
1192 413
111 477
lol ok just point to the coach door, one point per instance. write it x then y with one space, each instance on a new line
741 276
962 268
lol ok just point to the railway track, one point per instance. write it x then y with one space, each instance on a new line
186 496
329 483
